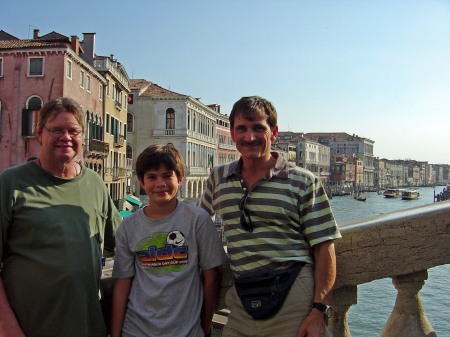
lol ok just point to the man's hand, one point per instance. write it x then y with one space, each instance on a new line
313 325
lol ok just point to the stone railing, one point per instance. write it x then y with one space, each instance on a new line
400 245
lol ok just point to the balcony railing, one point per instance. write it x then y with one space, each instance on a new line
96 148
193 171
118 105
119 140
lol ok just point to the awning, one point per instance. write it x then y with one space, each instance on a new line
124 214
133 201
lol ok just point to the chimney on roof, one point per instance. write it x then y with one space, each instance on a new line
75 44
35 34
88 45
111 57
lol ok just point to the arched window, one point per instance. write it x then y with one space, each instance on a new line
129 152
30 116
189 120
34 103
170 118
130 122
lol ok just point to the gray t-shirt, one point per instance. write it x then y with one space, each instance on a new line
166 257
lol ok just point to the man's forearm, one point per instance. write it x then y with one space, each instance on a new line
324 271
8 322
324 278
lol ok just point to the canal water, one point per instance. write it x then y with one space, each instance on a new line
377 298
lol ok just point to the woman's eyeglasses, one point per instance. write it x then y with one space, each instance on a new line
248 226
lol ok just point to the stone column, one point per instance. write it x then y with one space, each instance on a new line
341 301
408 316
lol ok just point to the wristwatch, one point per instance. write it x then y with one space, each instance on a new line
326 309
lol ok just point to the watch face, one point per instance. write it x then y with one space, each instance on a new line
328 312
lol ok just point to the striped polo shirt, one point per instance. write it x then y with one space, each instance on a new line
288 208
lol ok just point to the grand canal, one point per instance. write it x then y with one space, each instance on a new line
376 299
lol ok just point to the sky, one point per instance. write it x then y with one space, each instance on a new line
379 69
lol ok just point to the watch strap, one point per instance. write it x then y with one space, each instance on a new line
320 306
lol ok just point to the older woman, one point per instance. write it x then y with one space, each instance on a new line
55 215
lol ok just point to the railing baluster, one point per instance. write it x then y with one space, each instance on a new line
408 316
342 299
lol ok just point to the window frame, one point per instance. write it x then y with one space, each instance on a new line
81 78
132 122
1 67
107 122
88 83
100 92
69 76
29 66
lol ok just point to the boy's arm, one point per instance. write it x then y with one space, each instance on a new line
210 289
119 304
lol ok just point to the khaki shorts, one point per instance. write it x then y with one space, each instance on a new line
286 323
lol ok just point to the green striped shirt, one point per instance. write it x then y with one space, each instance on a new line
288 208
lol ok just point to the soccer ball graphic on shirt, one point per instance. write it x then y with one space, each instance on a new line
175 238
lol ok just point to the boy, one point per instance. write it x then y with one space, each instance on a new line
167 256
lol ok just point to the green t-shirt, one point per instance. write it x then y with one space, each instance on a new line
52 236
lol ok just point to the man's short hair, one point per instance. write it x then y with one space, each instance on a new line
156 155
252 107
54 107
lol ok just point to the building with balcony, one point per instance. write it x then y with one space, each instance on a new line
161 116
380 174
111 133
343 172
34 71
343 143
310 154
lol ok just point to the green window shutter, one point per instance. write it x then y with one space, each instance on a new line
125 131
35 66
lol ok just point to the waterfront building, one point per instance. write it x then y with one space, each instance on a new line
161 116
380 174
289 150
106 136
441 173
343 172
394 173
32 72
310 154
343 143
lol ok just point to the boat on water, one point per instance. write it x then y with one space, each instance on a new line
410 194
392 193
360 197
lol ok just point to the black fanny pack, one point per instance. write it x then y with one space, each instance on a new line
262 293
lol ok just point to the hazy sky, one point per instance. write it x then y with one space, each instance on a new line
379 69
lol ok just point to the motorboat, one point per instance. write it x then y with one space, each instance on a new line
392 193
410 194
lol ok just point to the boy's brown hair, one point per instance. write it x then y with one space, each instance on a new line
156 155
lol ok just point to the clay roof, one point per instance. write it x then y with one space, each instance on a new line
155 90
15 44
139 84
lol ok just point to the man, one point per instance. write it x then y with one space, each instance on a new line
55 217
275 215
